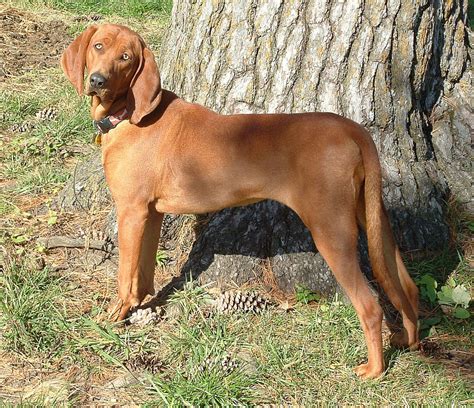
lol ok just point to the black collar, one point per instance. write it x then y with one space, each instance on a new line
109 122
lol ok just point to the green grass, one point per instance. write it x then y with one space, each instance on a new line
124 8
32 315
34 161
303 357
300 357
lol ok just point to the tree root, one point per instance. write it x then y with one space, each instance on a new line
61 241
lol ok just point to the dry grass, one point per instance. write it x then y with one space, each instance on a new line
56 350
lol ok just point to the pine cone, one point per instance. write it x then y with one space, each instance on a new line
228 364
98 235
90 17
47 114
225 364
143 317
230 302
146 362
22 127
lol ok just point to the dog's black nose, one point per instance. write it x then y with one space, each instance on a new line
97 80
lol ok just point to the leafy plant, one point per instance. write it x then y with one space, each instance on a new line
305 295
52 217
427 285
161 258
452 294
457 296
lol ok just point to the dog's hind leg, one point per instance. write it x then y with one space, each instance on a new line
402 291
398 285
335 235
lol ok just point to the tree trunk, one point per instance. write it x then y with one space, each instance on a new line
400 68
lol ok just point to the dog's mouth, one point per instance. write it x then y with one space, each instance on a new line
101 93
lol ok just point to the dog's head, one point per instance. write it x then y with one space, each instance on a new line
118 65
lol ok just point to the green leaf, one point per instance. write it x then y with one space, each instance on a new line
53 217
461 296
447 291
305 296
428 281
429 322
428 287
445 295
461 313
444 300
432 320
19 239
431 293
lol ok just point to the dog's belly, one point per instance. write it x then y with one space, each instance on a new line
206 183
198 207
198 195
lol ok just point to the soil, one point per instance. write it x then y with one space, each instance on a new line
27 42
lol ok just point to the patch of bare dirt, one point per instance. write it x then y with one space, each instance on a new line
27 43
456 362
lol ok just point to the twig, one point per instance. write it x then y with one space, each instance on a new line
61 241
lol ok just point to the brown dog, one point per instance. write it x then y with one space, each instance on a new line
172 156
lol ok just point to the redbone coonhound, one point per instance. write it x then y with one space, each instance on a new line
162 154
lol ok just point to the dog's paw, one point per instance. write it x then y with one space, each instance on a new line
368 371
118 310
399 340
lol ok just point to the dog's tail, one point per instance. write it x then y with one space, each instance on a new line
387 264
375 212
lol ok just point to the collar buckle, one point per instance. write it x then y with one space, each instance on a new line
109 122
103 125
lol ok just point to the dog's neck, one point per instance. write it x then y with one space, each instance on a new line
100 109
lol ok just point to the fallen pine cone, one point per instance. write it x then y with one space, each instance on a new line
142 317
225 364
47 114
150 363
22 127
231 302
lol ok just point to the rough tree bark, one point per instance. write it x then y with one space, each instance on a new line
401 68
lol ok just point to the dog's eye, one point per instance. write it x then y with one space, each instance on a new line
125 56
98 46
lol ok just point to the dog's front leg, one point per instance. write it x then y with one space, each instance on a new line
138 235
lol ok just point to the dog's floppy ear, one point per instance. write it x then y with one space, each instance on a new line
73 60
145 91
